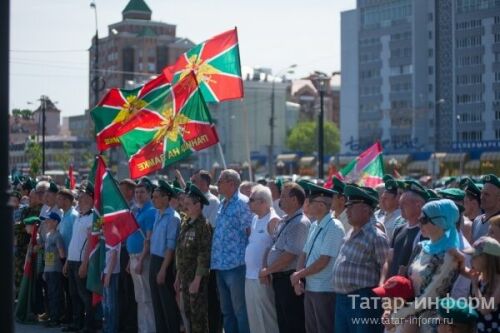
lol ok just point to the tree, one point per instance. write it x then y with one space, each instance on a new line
34 154
25 114
304 138
64 157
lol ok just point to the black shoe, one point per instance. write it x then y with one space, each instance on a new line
70 329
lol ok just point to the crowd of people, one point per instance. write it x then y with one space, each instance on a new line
278 255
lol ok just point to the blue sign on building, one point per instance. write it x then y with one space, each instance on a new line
483 145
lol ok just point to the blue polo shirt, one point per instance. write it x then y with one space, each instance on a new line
65 227
145 217
165 231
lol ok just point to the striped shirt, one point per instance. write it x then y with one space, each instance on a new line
360 260
324 239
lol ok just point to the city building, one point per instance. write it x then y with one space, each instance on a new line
304 93
420 75
52 117
135 49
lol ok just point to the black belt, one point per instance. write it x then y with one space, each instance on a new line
283 275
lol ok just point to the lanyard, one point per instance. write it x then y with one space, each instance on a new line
314 240
287 223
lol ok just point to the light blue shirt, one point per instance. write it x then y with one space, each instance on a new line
324 239
145 217
65 227
165 231
230 238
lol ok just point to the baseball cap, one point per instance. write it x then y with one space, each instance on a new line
396 287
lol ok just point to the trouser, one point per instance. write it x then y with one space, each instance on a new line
231 284
260 307
142 290
319 308
66 301
81 297
54 293
214 312
127 304
167 316
110 305
352 317
289 306
195 306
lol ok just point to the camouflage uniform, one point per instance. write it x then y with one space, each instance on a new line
22 239
193 258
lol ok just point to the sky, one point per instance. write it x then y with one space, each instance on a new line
50 39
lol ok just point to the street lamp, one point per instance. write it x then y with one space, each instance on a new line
288 70
322 83
95 81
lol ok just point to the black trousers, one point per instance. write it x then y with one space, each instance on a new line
54 294
167 315
214 312
127 306
81 297
289 306
67 311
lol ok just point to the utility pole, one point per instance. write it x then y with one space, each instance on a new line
43 99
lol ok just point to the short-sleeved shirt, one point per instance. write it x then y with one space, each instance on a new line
81 227
109 251
403 244
480 226
145 217
165 232
290 237
65 227
210 210
360 260
53 242
324 239
230 237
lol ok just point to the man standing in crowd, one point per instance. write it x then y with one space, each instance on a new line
161 274
202 180
338 203
316 262
65 201
77 263
127 306
472 205
275 186
228 251
490 203
391 218
406 236
282 259
138 248
360 265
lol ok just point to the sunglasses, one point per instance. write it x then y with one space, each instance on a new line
426 219
253 199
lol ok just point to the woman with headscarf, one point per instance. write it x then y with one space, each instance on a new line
433 270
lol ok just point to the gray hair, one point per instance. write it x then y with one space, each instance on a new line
232 176
42 186
263 193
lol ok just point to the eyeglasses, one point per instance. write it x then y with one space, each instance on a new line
352 203
424 220
253 199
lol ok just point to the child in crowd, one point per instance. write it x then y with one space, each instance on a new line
55 257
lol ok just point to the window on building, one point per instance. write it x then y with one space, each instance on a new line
431 52
497 134
430 17
430 34
431 70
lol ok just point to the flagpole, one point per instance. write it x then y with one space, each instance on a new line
222 155
247 140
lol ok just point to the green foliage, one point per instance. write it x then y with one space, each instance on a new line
304 138
64 157
34 154
24 113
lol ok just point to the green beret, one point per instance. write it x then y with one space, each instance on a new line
88 188
16 194
29 184
164 187
194 192
415 187
454 194
491 179
433 195
387 177
449 181
338 185
315 191
470 187
53 187
31 220
457 311
306 185
391 186
147 183
177 189
356 194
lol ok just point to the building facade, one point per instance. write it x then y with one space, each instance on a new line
135 49
423 76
